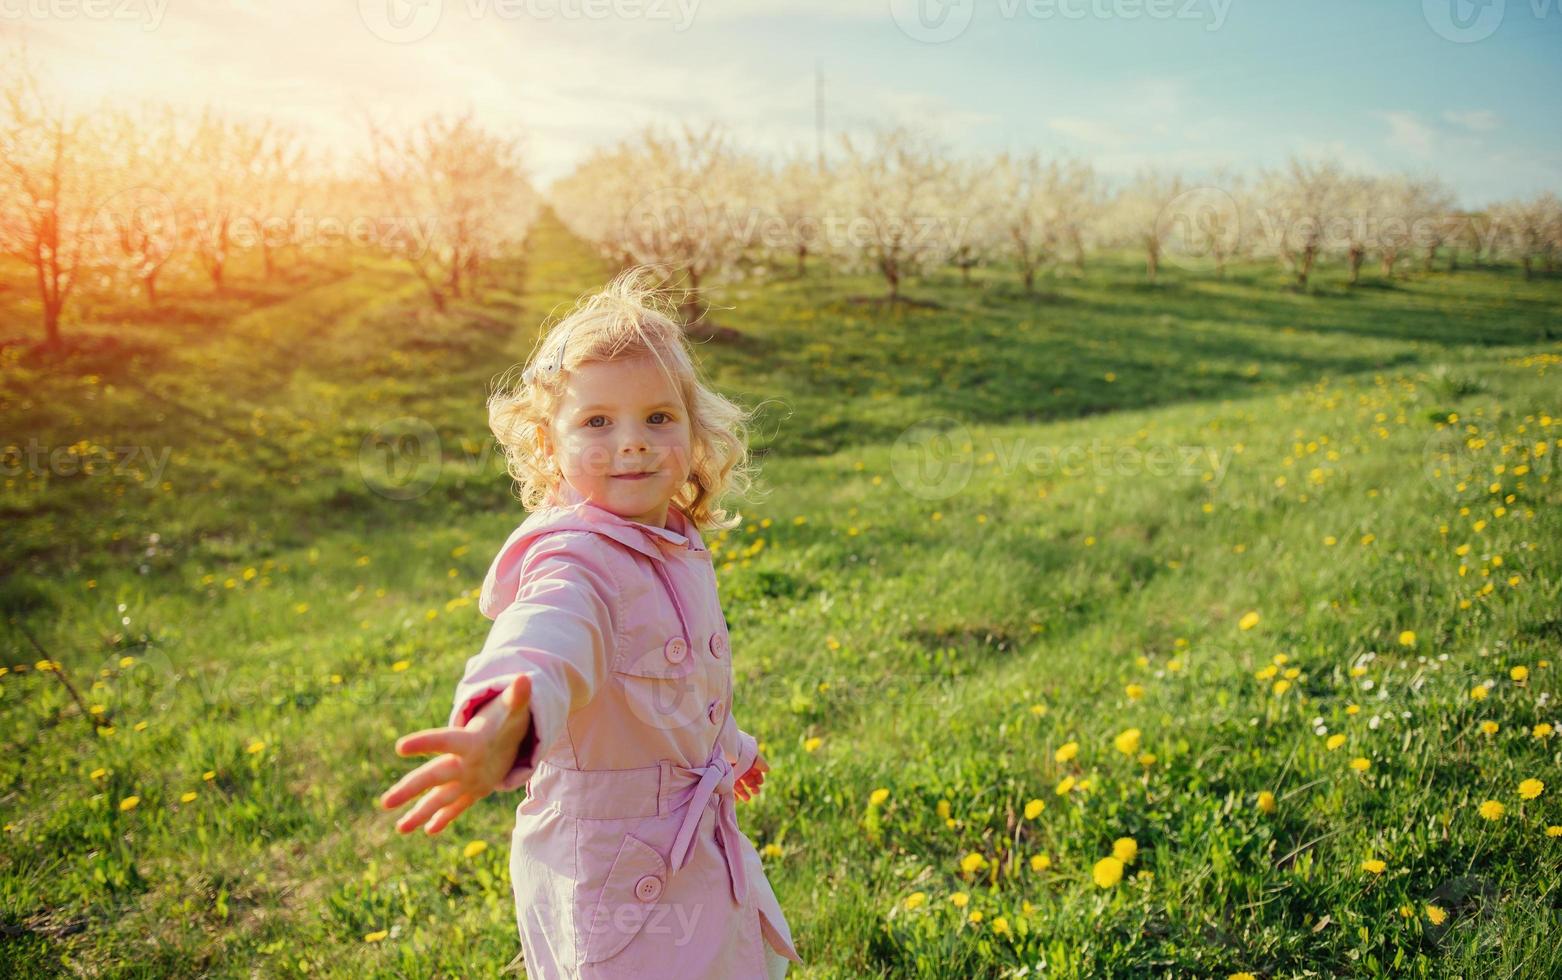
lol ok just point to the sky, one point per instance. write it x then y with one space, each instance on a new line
1467 90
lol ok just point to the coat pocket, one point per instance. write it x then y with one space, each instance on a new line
664 687
630 896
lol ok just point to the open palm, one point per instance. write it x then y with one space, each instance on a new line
471 761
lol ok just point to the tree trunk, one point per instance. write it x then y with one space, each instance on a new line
1305 267
1453 259
1030 280
802 261
1152 259
1528 272
1357 253
149 283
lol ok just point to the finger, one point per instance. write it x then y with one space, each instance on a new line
430 774
448 813
518 695
427 807
431 740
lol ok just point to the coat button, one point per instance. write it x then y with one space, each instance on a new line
715 711
648 888
718 645
675 650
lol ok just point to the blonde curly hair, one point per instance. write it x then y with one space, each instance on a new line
625 319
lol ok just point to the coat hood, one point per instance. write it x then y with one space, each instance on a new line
573 512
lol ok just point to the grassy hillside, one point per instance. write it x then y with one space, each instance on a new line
1271 533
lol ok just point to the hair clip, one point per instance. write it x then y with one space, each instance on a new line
530 374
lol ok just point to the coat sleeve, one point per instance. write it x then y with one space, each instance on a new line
560 630
739 747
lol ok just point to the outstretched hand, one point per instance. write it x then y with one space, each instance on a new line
747 785
472 760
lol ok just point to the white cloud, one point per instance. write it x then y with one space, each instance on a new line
1094 132
1475 120
1408 132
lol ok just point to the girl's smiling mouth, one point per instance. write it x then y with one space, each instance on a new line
634 476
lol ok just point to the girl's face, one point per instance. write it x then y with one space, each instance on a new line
616 419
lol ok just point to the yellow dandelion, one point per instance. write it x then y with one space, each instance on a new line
374 937
972 862
1531 788
1542 730
915 900
1374 866
1492 810
1281 687
255 746
1407 638
1127 742
1555 830
960 899
1000 926
1241 976
1040 862
187 797
129 803
813 743
942 809
474 848
771 850
1266 801
1064 786
1361 763
98 773
976 915
1107 872
1066 751
1489 727
1436 914
1519 673
878 796
1248 621
1033 809
1478 692
1134 691
1125 849
1334 742
1147 758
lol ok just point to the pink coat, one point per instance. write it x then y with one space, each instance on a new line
626 859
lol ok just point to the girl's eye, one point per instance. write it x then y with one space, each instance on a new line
593 419
664 414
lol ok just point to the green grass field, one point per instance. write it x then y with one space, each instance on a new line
1265 581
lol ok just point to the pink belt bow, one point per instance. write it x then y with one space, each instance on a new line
716 779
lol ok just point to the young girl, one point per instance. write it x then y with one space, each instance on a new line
605 684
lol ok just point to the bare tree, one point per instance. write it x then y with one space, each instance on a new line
466 185
895 186
1139 215
224 157
49 188
1303 202
974 198
1035 199
280 170
137 224
690 216
796 200
1530 229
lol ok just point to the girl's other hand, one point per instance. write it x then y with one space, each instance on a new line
748 784
472 760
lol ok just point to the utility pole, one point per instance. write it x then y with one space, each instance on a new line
819 115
